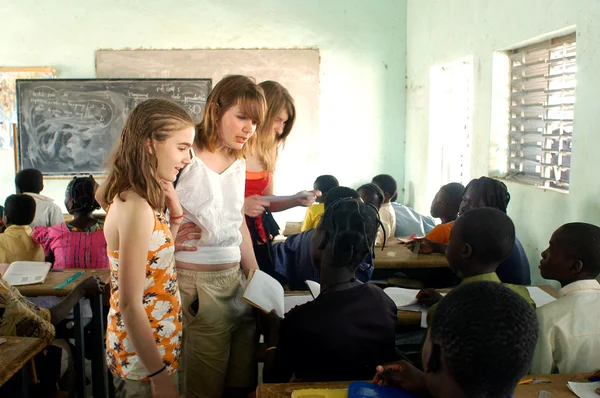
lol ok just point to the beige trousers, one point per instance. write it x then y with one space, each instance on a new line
219 334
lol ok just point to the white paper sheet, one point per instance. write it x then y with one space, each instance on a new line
27 272
275 199
584 390
539 296
314 287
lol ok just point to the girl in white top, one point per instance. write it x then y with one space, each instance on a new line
219 327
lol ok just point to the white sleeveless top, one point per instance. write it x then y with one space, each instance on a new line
215 203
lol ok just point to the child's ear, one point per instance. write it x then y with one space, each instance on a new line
149 146
466 251
434 362
576 266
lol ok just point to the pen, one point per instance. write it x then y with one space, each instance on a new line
71 279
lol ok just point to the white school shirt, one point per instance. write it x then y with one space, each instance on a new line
47 213
569 338
388 219
215 203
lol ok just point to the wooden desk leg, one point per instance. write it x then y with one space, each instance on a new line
26 381
79 350
99 382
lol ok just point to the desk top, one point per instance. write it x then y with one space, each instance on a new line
558 387
56 277
15 353
397 256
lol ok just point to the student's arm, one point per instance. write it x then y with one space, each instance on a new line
288 204
135 231
248 261
402 375
543 360
386 220
91 286
280 342
174 207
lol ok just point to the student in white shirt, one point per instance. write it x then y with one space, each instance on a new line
386 212
219 328
47 213
569 340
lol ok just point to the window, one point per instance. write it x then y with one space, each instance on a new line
542 98
450 124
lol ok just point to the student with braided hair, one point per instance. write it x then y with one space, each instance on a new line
79 243
350 327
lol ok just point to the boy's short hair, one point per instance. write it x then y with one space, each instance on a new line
20 209
582 242
387 184
489 232
325 183
29 180
487 334
338 193
375 189
453 193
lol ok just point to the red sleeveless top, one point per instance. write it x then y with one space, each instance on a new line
256 184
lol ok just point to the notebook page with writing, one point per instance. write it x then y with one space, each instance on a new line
584 390
27 272
405 299
264 292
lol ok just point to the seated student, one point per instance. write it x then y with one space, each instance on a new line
569 339
31 182
79 243
293 261
466 359
350 327
445 206
487 192
371 193
20 317
479 241
314 213
15 242
386 212
410 222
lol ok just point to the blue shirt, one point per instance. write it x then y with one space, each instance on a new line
515 269
293 262
409 221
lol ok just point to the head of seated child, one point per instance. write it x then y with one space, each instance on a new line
371 193
485 192
19 209
490 356
573 254
325 183
479 241
388 185
343 239
29 181
80 196
447 202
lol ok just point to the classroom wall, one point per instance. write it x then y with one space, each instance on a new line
441 31
362 71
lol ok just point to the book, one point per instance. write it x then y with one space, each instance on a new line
264 292
27 272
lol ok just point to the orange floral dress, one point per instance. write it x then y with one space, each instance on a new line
161 302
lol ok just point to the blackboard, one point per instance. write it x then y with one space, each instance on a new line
69 126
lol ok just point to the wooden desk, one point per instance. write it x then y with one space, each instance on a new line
558 387
398 256
15 353
99 371
412 318
292 228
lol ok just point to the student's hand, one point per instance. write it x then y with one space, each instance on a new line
402 375
187 231
255 205
91 286
429 297
163 387
171 198
309 200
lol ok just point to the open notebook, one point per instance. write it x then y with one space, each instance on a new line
27 272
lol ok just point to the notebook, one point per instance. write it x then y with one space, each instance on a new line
264 292
27 272
584 390
405 299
